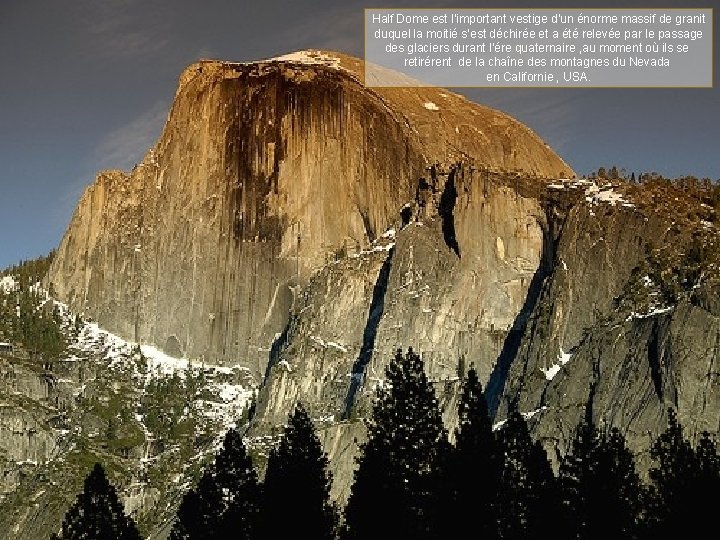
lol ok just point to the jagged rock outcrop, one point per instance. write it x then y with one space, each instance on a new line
263 173
153 422
626 323
564 295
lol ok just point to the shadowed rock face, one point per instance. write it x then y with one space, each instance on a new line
455 310
559 300
618 343
263 173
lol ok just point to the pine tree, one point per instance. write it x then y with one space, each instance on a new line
98 513
225 503
682 483
708 458
200 511
527 496
473 469
674 479
296 497
395 486
601 489
238 480
708 479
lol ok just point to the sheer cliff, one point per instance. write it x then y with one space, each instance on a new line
563 294
263 173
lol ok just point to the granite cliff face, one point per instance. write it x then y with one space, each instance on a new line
564 295
626 321
295 224
263 173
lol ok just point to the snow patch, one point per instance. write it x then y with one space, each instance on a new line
654 310
8 284
309 57
525 415
562 359
329 344
595 194
376 248
551 371
285 364
337 346
430 106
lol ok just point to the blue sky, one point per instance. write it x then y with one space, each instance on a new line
86 85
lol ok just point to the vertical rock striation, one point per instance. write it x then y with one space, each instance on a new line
263 173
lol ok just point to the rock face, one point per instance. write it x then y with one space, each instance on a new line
263 173
564 295
611 330
449 284
295 223
151 420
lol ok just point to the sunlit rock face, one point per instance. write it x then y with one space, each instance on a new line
264 173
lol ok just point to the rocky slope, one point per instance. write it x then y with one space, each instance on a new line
627 319
152 420
298 225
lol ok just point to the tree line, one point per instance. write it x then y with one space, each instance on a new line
27 318
411 482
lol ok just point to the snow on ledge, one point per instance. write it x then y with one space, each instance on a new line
430 106
562 359
309 57
525 415
594 193
329 344
159 364
654 311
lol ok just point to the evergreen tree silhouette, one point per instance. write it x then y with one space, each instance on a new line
474 467
708 478
396 482
601 489
528 496
200 511
708 458
225 504
97 513
297 485
238 481
674 501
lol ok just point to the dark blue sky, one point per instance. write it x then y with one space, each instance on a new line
86 85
